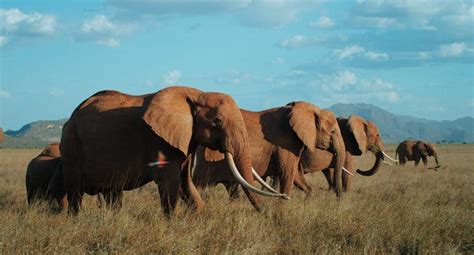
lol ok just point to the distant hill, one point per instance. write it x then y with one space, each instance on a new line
34 135
395 128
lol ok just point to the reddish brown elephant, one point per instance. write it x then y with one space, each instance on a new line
416 151
277 136
115 142
2 136
359 136
39 174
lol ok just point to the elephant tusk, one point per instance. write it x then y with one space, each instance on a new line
386 163
261 181
385 154
194 163
347 171
244 183
158 163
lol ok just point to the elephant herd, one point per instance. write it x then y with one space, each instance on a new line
185 140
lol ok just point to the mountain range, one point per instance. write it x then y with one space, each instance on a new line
393 128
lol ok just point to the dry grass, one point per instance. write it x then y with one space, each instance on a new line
400 210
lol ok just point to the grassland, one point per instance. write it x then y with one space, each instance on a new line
399 210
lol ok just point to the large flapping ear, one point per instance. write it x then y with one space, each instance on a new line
304 120
357 126
169 115
422 147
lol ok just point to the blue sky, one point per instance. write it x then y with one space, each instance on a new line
408 57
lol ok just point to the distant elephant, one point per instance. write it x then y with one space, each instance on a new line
416 150
115 142
277 136
2 136
359 137
39 174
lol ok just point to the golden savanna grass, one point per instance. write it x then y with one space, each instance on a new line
399 210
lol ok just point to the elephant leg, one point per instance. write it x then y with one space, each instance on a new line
347 178
287 168
425 161
301 183
232 190
113 199
169 181
189 192
417 161
328 173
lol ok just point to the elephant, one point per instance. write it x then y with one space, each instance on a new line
115 142
416 150
359 137
277 136
39 174
2 136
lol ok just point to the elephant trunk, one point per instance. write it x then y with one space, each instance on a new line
435 155
378 160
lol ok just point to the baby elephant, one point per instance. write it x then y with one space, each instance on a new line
41 170
416 151
44 181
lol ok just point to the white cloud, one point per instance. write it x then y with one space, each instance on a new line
110 42
376 56
279 61
348 52
3 40
299 41
346 87
56 92
172 77
4 94
15 23
104 31
452 50
322 22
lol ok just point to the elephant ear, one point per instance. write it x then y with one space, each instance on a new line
422 148
304 120
169 114
357 126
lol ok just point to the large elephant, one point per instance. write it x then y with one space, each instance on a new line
39 174
277 136
416 150
359 137
115 142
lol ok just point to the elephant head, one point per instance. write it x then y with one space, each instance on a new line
426 150
319 129
361 136
186 117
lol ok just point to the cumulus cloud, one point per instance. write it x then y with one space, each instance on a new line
346 87
279 61
355 50
172 77
452 50
17 24
104 31
322 22
300 41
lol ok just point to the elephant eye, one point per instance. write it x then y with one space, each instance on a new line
216 122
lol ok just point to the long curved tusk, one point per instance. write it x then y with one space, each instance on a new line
347 171
244 183
194 163
261 181
385 154
386 163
